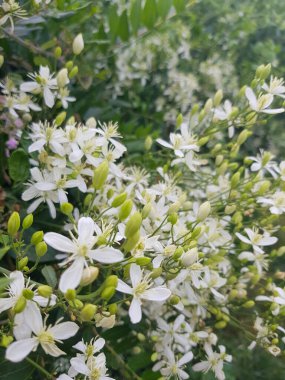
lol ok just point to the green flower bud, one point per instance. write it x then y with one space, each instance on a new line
208 106
143 261
174 300
70 295
23 262
76 303
235 180
57 52
218 98
14 223
125 209
216 149
111 281
28 294
88 312
248 304
62 78
66 208
119 200
154 357
141 337
89 275
173 218
202 141
203 211
221 325
37 237
146 210
6 340
108 293
20 305
100 175
131 242
133 224
237 217
113 308
229 209
87 200
28 221
222 168
78 44
178 253
148 143
45 291
219 159
69 65
243 136
110 193
60 118
41 249
156 273
1 60
179 120
73 72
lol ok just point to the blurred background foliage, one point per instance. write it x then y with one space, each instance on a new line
145 62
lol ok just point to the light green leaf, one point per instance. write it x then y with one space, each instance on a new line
135 16
19 166
49 274
123 29
179 5
113 19
163 8
149 14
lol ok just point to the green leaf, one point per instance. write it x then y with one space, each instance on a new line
123 29
3 251
149 14
163 8
19 167
179 5
49 274
4 282
14 371
113 19
135 16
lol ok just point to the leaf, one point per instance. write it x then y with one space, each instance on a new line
49 274
3 251
113 19
14 371
179 5
4 282
19 167
135 16
163 8
123 28
149 14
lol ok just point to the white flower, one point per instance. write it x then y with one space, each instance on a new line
173 367
46 336
263 162
43 134
43 83
82 252
257 240
94 368
78 44
277 202
261 103
141 290
275 87
11 8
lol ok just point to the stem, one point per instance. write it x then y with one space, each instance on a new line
40 369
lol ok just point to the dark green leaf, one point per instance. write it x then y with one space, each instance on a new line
113 19
4 282
179 5
149 14
19 166
163 8
49 274
14 371
123 29
135 16
3 251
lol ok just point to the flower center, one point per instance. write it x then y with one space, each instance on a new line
83 250
95 374
46 338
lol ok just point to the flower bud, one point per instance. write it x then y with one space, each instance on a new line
76 303
125 209
172 218
237 217
229 209
91 122
37 237
28 221
203 211
133 224
218 98
69 65
111 281
235 180
221 325
1 60
6 340
108 293
41 249
89 275
45 291
20 305
62 78
143 261
146 210
243 136
87 200
156 273
119 200
57 52
60 118
131 242
88 312
14 223
28 294
148 143
66 208
174 300
23 262
113 308
78 44
73 72
208 106
248 304
196 232
203 140
110 193
100 175
179 120
70 295
219 159
190 257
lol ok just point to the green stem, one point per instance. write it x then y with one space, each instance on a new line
40 369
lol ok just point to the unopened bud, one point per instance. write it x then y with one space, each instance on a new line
69 65
57 52
70 295
125 209
243 136
146 210
108 293
89 275
131 242
73 72
248 304
23 262
156 273
14 223
221 325
60 118
133 224
203 211
28 221
88 312
143 261
66 208
235 180
110 193
78 44
179 120
41 249
45 291
111 281
100 175
173 218
113 308
174 300
119 200
218 98
28 294
62 78
1 60
6 340
148 143
37 237
20 305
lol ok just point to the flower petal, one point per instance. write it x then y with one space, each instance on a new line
71 277
106 255
156 294
124 288
60 242
85 230
17 351
64 330
135 311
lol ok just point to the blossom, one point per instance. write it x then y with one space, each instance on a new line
173 367
46 336
256 240
261 103
43 83
277 202
275 87
141 290
82 252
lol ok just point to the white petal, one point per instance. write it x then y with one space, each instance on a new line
135 311
79 365
17 351
52 349
185 358
64 330
29 86
124 288
59 242
45 186
71 277
21 330
85 230
17 284
34 317
6 304
48 97
156 294
106 255
135 274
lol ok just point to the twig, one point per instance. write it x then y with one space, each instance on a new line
40 368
